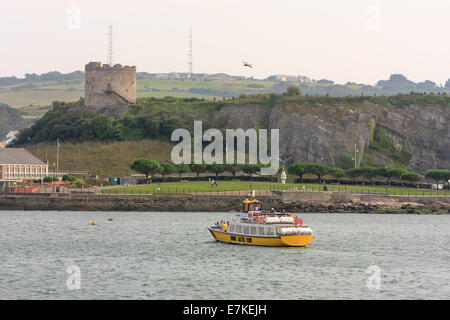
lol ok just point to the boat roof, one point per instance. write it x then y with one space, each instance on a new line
251 201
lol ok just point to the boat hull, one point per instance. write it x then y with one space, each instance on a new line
271 241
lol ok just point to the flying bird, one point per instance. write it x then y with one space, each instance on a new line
246 64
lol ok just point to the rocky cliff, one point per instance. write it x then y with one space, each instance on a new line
413 136
410 130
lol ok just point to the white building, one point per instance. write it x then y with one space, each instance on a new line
19 165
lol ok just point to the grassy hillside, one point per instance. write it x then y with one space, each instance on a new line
104 158
36 91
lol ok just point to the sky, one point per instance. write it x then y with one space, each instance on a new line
347 40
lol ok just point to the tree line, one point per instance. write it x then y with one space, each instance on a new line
150 167
368 172
66 122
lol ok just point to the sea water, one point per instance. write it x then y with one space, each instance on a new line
161 255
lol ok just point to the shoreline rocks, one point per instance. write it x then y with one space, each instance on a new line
299 203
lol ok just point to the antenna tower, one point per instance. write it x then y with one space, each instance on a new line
190 55
110 46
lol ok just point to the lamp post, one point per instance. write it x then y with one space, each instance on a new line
355 158
57 155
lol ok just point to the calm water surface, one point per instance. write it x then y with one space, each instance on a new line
172 256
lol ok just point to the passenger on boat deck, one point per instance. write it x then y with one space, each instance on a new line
224 226
284 211
273 210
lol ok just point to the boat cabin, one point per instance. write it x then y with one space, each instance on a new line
251 205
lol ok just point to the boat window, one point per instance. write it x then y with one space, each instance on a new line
245 229
241 239
232 228
253 230
270 231
261 231
233 238
239 228
249 240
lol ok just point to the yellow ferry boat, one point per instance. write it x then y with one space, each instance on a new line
255 227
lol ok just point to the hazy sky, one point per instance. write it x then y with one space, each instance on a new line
345 40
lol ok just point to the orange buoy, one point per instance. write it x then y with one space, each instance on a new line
93 223
110 219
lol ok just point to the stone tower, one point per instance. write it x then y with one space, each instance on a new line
109 88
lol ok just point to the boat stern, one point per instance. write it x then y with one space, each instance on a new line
297 240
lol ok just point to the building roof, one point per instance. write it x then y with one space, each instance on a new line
18 156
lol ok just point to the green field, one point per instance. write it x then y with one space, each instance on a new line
205 186
185 85
24 98
175 94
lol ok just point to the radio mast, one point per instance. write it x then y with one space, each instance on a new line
110 58
190 55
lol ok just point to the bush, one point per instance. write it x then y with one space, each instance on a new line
293 91
438 175
78 184
50 179
68 177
